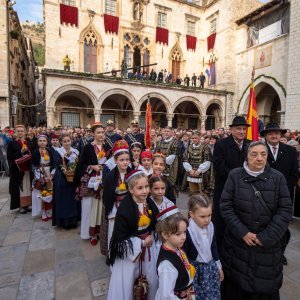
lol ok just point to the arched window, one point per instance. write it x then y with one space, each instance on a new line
127 57
111 7
146 59
90 52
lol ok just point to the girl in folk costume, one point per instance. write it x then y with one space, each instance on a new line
65 207
201 249
132 245
43 171
157 186
89 170
114 191
146 159
135 154
19 183
159 166
175 273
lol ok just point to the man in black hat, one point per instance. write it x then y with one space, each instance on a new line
283 158
135 135
110 137
229 153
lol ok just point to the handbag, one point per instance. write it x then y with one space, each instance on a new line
84 190
141 285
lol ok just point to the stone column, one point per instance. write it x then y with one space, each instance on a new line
202 120
229 110
170 119
97 114
50 116
136 115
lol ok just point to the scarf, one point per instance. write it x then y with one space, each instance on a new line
202 240
250 172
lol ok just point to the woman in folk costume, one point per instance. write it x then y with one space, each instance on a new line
43 171
114 191
19 183
132 244
65 207
89 170
135 155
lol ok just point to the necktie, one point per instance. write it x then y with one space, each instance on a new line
274 150
240 145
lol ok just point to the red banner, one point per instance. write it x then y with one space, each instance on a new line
68 14
211 41
148 126
252 118
162 35
191 42
111 24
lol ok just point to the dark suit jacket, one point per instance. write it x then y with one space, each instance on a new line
286 163
226 157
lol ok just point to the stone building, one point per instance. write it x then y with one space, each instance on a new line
17 76
181 37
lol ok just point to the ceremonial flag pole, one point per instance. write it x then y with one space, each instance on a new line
252 118
148 125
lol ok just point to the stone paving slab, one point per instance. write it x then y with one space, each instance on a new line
73 286
39 261
38 286
16 237
12 258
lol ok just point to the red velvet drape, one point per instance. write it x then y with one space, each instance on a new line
162 35
211 41
111 24
68 14
191 42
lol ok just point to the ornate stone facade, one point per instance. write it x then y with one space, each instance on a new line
136 42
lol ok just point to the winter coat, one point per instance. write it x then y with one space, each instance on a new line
255 269
226 157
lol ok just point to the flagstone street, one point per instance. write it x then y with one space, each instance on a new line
40 262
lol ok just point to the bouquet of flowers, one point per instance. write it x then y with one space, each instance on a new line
69 169
46 196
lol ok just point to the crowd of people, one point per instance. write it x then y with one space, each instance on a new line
124 198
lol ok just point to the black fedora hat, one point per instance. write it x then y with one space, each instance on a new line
272 127
239 121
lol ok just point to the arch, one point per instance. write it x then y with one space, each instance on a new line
214 116
217 102
269 101
176 52
71 87
159 96
197 103
125 93
176 60
277 86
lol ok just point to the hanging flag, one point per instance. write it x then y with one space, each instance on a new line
252 118
148 125
208 75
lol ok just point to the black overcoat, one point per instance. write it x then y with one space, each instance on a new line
255 269
226 157
286 163
16 177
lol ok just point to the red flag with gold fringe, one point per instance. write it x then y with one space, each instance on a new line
252 118
148 125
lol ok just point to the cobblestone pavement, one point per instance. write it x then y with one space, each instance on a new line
40 262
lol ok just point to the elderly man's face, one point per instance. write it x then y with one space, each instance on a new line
273 137
168 133
257 158
238 132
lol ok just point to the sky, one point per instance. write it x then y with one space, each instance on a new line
32 10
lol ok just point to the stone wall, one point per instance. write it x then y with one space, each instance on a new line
292 114
4 103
